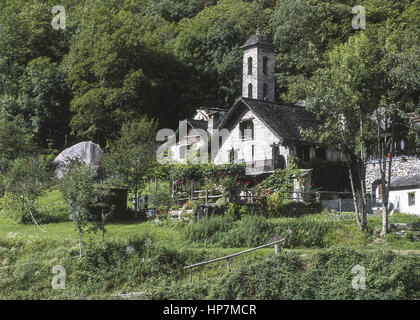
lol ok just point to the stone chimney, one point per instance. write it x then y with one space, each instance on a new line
213 122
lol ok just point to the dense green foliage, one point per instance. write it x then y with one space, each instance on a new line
253 230
119 64
26 180
119 60
131 157
326 275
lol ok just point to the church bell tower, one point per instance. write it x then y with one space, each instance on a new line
258 80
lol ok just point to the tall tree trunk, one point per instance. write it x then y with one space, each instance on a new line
103 225
362 177
136 201
353 190
80 244
387 184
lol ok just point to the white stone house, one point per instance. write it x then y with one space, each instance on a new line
404 194
258 131
264 134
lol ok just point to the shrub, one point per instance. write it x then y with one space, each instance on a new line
303 232
254 230
250 231
274 204
206 228
111 264
292 208
47 215
160 196
326 275
220 205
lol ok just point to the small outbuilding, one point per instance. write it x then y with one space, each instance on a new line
404 194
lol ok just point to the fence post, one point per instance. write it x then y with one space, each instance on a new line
252 197
207 196
192 192
228 265
339 204
190 275
200 213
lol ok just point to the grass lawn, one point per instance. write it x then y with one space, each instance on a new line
20 244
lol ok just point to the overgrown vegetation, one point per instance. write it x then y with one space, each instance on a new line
148 257
325 275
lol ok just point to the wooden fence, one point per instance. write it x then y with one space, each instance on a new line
329 199
276 250
290 195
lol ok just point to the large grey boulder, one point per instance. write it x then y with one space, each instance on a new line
87 152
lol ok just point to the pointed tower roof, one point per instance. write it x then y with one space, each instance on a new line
257 39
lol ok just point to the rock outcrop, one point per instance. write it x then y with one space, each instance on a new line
87 152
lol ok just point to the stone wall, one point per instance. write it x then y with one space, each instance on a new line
401 166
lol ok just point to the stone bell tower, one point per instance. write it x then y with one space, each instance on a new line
258 81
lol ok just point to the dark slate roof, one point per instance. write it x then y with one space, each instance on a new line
198 124
214 109
283 120
195 124
401 182
257 39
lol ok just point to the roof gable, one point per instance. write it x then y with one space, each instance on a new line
406 182
283 120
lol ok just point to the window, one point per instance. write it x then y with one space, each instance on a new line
320 154
303 153
246 130
265 90
412 199
249 65
250 90
265 63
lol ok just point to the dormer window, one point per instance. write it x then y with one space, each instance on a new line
249 65
246 129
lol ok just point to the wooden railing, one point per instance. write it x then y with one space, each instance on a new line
276 250
289 195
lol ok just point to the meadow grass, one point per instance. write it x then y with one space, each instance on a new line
21 243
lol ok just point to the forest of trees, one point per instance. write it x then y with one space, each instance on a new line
119 60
